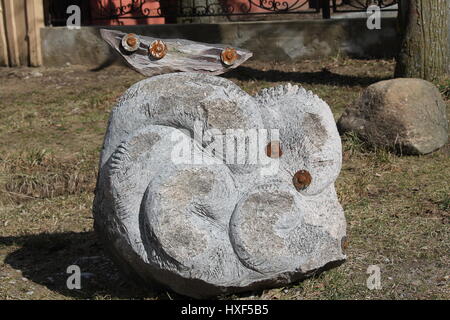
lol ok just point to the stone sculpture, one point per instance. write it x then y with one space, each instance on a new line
208 223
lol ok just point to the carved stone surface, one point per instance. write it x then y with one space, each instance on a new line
214 226
179 55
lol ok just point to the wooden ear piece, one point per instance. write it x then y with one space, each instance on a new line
130 42
157 49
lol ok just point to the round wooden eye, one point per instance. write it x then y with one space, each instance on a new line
157 49
130 42
301 180
228 56
273 149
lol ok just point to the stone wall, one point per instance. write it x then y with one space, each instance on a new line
270 40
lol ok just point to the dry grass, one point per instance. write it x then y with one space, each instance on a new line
397 208
39 174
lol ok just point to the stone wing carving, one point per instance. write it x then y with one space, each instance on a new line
152 56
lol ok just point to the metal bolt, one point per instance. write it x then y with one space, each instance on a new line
157 49
302 179
130 42
228 56
273 149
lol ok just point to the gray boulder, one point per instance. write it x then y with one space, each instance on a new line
207 223
405 115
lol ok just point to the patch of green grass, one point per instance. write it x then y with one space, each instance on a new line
444 88
352 143
444 202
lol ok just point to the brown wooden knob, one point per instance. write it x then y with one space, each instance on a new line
302 179
273 149
130 42
228 56
157 49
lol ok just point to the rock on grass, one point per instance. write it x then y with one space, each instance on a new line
404 115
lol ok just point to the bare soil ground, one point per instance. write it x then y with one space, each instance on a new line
52 123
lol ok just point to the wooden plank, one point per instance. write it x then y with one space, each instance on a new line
11 33
182 55
4 61
21 28
35 21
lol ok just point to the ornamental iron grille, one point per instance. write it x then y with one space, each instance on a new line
360 5
154 11
199 8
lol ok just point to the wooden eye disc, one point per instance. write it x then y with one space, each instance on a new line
157 49
130 42
301 180
228 56
273 149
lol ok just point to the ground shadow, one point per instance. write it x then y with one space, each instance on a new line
323 77
44 259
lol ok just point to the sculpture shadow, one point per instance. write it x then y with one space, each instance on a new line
323 77
44 259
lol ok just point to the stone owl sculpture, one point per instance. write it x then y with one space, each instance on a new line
207 223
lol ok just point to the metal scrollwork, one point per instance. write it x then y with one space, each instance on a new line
358 5
207 8
278 6
145 9
134 8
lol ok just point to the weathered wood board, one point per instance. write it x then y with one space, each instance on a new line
182 55
4 60
11 33
35 21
